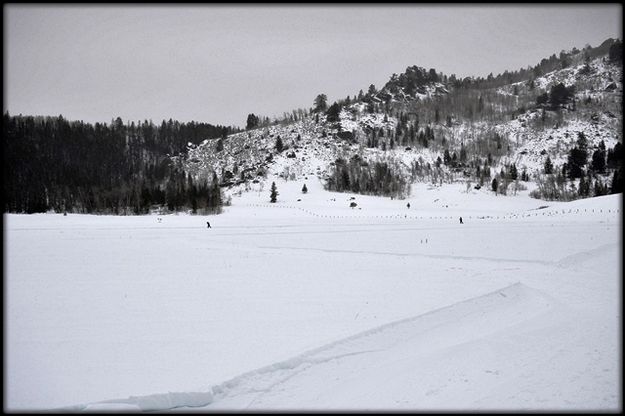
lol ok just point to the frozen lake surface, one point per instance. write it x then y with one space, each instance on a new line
314 305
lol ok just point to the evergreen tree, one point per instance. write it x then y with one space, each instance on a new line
548 166
600 189
578 157
584 187
372 91
586 69
274 192
582 142
615 156
252 121
333 113
564 60
279 144
598 158
542 99
615 53
321 103
494 185
560 95
463 154
617 181
304 189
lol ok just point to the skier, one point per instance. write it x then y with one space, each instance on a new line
408 205
461 220
208 224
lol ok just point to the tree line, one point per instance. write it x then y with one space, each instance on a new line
50 163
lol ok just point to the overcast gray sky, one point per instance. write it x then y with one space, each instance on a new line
217 64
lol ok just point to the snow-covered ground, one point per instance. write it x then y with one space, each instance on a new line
312 304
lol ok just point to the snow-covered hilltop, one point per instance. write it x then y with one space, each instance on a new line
427 127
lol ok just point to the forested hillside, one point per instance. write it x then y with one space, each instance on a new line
50 163
556 125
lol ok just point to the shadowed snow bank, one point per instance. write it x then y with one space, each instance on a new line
152 402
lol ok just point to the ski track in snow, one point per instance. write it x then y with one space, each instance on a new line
568 261
472 319
399 254
422 334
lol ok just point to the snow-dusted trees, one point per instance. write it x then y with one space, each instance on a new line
558 96
359 176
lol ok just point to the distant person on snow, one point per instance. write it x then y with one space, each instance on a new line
408 205
461 220
208 224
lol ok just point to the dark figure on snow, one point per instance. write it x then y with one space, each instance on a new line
461 220
208 224
408 205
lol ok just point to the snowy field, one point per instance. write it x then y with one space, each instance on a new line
312 305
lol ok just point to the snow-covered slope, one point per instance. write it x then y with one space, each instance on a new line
535 139
527 136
